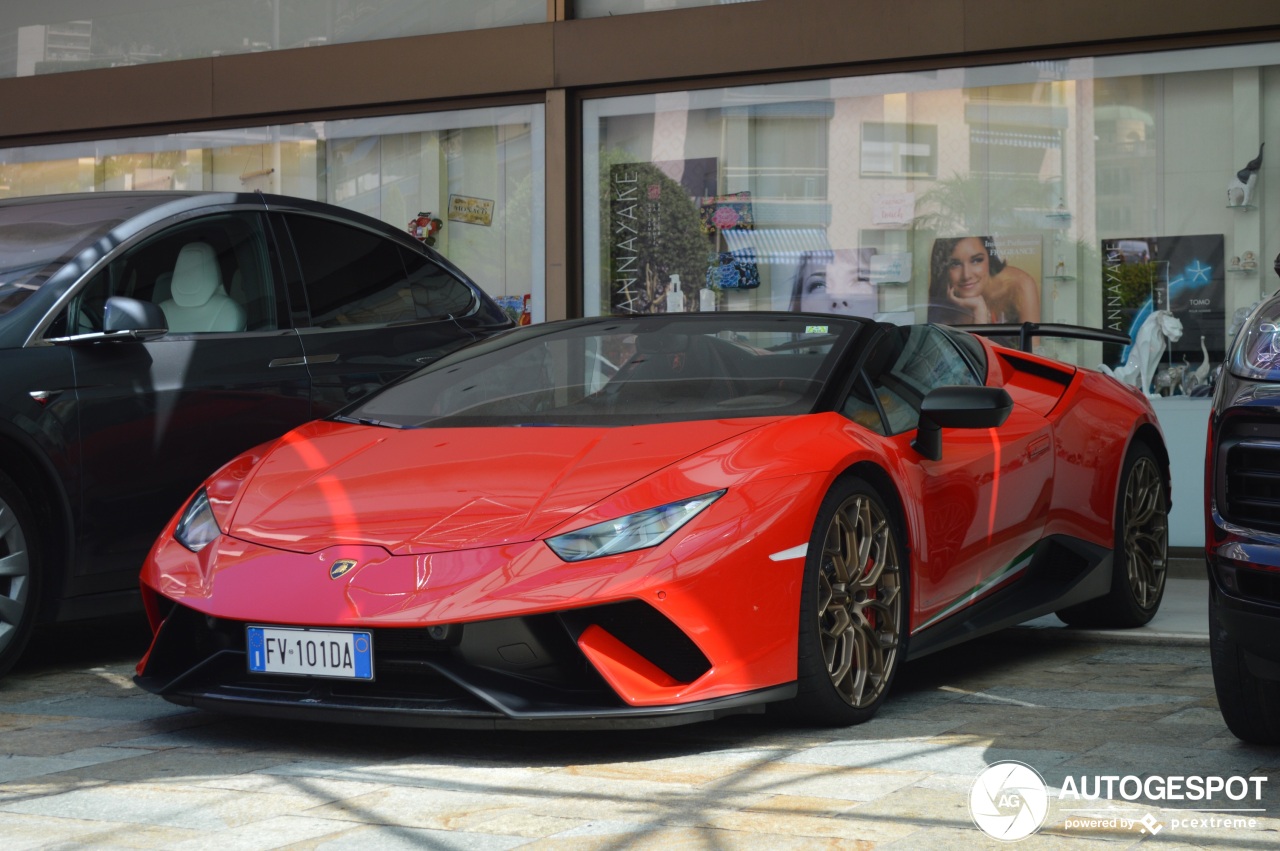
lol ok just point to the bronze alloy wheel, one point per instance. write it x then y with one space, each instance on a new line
1146 532
860 604
1141 546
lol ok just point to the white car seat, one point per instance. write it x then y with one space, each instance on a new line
198 301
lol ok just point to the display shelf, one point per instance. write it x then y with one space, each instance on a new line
1059 277
1242 207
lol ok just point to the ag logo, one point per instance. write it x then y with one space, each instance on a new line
1009 800
341 567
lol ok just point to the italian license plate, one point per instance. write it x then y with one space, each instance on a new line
342 654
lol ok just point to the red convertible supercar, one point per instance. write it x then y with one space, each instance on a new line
656 520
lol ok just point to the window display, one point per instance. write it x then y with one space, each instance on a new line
1001 194
481 168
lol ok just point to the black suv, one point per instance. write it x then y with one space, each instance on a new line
146 338
1242 534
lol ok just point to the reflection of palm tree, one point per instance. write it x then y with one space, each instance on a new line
972 203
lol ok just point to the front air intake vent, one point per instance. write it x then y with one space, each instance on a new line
1249 476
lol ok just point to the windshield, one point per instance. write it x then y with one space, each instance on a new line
622 371
36 238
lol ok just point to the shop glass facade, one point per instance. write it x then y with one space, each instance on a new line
480 172
42 38
604 8
1089 191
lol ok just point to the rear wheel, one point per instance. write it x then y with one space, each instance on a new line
853 608
1141 547
19 574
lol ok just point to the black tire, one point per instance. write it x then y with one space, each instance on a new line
854 608
1249 704
19 573
1141 548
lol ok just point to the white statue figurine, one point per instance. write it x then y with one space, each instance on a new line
1240 187
1157 331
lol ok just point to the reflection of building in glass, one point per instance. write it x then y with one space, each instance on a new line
37 49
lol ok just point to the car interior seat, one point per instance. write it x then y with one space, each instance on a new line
198 301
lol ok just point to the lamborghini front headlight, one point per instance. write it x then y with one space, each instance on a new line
197 528
637 531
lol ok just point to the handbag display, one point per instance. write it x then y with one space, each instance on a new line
733 271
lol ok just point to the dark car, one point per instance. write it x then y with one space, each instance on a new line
1242 535
147 337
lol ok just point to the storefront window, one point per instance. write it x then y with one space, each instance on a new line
477 174
1090 192
37 38
604 8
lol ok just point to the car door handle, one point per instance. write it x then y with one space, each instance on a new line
302 361
1039 446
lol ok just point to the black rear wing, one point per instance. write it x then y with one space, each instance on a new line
1026 330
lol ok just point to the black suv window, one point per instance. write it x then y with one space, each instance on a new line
902 367
211 274
357 277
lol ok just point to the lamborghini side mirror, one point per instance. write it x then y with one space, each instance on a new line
958 407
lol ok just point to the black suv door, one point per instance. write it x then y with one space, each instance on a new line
157 417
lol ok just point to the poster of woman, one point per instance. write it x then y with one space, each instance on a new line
981 280
836 281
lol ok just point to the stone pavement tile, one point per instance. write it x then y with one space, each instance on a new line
10 722
175 765
1167 760
443 809
1085 730
21 832
18 767
614 835
848 825
434 774
891 727
962 839
916 807
171 806
693 769
275 832
834 783
1073 698
52 740
316 788
923 756
136 707
1145 654
396 837
1208 717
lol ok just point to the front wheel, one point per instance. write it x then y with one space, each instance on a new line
19 574
1141 548
1250 705
853 608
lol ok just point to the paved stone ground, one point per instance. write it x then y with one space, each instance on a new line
87 760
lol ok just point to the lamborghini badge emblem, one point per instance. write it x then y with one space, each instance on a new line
341 567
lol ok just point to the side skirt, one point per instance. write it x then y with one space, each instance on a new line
1060 572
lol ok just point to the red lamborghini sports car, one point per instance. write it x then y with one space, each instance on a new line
656 520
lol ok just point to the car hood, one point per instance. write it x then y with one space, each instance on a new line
434 489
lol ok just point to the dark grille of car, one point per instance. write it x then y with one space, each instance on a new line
1249 475
1260 585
